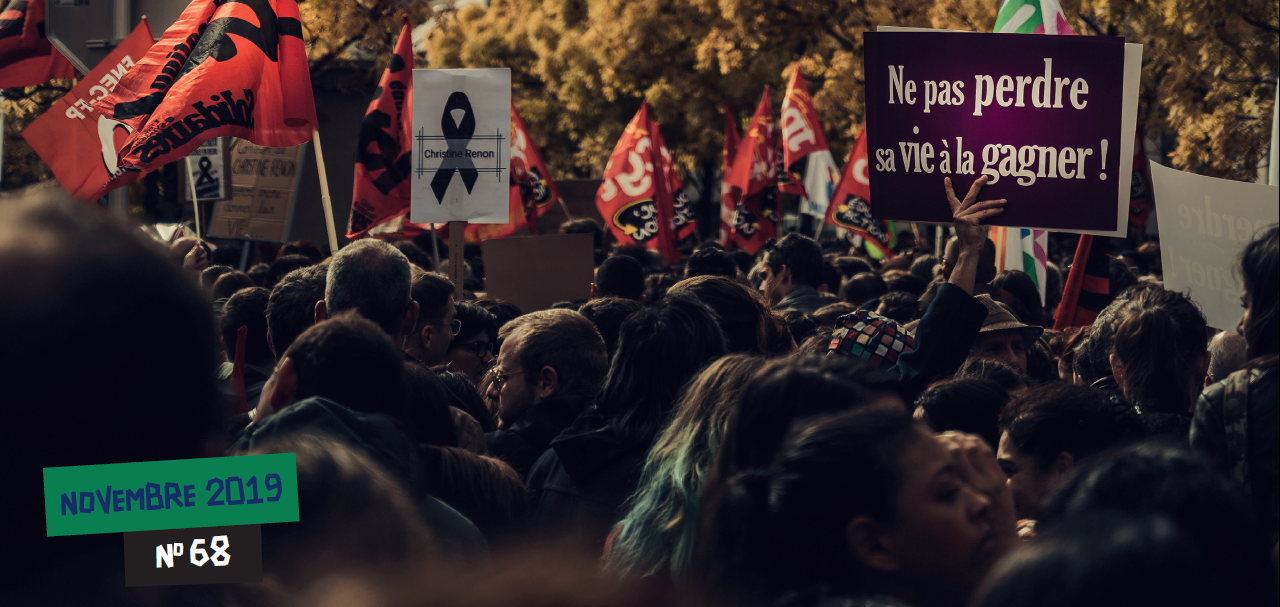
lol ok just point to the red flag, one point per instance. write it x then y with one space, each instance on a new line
755 173
529 174
70 137
1088 287
729 195
224 68
801 133
26 55
850 206
381 191
1141 197
627 195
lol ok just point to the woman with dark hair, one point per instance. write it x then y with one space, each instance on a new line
861 508
473 348
1236 420
739 309
971 406
1019 292
1160 356
656 536
579 485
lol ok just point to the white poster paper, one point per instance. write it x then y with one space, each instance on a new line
1204 223
208 169
462 146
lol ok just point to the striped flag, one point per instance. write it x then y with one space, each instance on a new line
1028 17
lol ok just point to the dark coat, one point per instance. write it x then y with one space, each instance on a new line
943 339
803 298
524 441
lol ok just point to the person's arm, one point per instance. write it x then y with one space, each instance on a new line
967 217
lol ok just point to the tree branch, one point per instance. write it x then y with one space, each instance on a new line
18 94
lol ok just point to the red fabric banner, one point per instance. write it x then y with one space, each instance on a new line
801 134
729 195
1087 289
233 67
26 55
73 138
755 174
529 174
627 195
381 191
850 207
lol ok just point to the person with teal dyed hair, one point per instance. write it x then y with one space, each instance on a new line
656 536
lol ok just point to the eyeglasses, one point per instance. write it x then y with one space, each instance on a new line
454 328
479 348
501 378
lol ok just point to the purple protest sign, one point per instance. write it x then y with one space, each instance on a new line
1041 115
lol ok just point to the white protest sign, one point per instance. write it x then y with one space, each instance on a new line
1204 223
461 146
209 170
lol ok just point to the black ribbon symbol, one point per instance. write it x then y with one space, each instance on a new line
458 137
205 177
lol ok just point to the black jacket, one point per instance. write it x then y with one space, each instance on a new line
523 441
579 486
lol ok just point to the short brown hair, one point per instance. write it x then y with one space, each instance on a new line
565 341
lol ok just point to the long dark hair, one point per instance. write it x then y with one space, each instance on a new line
659 349
1159 339
782 528
1259 266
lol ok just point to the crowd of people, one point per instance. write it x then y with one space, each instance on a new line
806 427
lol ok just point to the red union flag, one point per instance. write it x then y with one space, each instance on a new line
755 174
627 195
729 195
850 206
226 67
529 176
26 56
70 137
381 193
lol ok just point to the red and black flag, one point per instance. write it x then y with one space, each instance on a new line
380 198
641 196
1088 287
850 206
26 55
755 174
729 195
226 67
529 174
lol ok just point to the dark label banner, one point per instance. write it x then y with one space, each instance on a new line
207 555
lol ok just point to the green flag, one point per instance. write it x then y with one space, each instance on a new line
1032 17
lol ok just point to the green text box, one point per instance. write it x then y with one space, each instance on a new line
172 494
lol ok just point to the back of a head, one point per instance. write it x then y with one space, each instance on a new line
710 262
414 254
283 265
740 310
826 315
75 283
231 283
292 306
781 392
584 226
486 490
1153 479
354 515
965 405
349 360
907 283
922 267
565 341
503 310
783 526
900 306
801 255
800 325
607 314
851 266
247 308
1005 376
1108 560
475 321
862 287
1024 297
1160 339
1227 354
432 291
620 276
371 277
1120 276
1259 266
211 274
1047 420
306 248
659 349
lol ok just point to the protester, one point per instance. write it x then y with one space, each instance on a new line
712 261
1018 291
1227 354
579 485
1164 388
228 284
971 406
862 288
247 309
283 265
210 275
1003 338
864 507
619 276
792 270
292 306
740 310
471 351
437 322
372 278
1050 430
547 373
607 314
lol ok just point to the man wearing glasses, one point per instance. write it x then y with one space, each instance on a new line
429 341
549 368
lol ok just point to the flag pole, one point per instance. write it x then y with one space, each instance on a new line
195 200
457 267
324 192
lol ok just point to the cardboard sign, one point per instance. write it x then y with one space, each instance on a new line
462 146
1204 223
208 168
264 186
538 271
1048 118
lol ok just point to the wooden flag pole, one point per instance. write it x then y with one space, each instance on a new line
324 193
195 200
457 267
